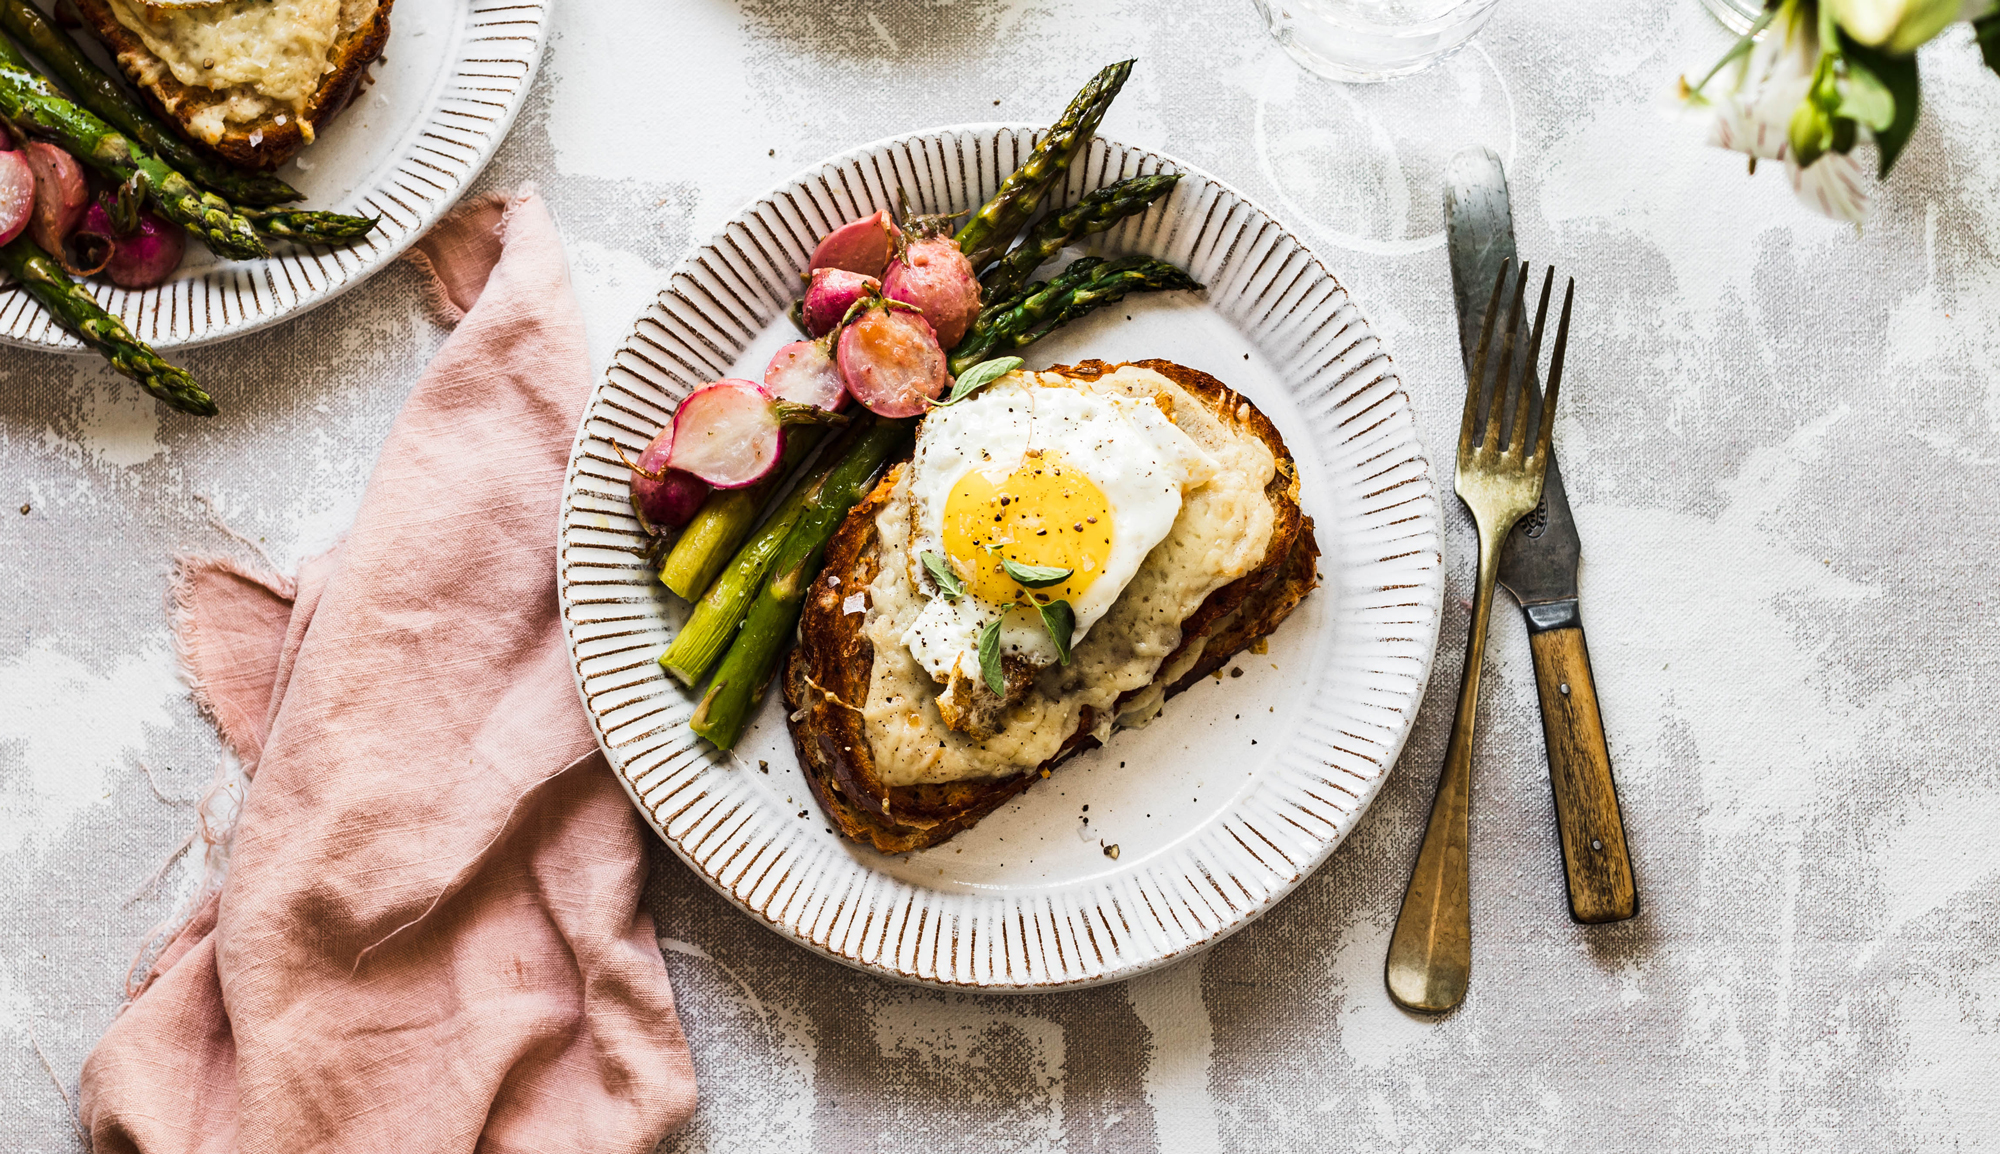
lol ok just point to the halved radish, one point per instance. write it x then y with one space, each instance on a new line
731 433
891 362
728 434
665 496
863 246
17 194
805 373
61 196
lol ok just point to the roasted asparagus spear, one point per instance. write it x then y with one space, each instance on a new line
42 278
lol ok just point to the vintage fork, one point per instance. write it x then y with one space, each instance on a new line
1430 955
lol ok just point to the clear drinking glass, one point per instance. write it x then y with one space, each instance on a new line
1368 40
1736 15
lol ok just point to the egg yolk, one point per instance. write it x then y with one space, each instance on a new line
1045 512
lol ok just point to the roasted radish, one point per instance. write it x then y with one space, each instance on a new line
61 196
863 246
806 373
663 495
149 255
832 292
731 433
891 362
934 276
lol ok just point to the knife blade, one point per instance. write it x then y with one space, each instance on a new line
1538 565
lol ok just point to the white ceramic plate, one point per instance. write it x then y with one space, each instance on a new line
444 95
1222 805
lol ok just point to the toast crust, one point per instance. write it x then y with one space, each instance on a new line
826 678
262 144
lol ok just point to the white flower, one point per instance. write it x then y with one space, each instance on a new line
1836 185
1754 116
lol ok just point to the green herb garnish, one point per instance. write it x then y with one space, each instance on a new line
989 658
978 377
940 570
1060 620
1035 576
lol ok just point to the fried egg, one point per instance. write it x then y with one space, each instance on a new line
1037 471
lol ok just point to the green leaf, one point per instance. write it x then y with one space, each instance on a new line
978 377
1736 51
1035 576
1060 620
940 570
1865 98
1987 30
1898 74
989 658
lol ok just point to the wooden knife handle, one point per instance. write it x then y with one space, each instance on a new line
1595 859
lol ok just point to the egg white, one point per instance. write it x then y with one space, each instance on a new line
1125 445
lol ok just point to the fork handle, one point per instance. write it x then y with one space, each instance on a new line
1430 952
1592 831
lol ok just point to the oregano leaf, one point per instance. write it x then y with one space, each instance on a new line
1060 620
989 658
978 377
940 570
1035 576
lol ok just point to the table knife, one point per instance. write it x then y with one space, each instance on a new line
1538 565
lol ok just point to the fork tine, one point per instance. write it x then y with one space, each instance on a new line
1555 375
1503 378
1524 411
1475 377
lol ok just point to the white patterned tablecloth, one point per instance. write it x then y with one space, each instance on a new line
1780 438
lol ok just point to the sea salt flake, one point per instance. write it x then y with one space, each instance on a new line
855 603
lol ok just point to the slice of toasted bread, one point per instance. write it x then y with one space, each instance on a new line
827 677
273 136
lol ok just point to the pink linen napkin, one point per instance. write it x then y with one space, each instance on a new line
430 936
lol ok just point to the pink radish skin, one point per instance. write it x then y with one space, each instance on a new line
892 362
832 292
863 246
806 373
728 434
60 195
934 276
147 256
17 194
673 499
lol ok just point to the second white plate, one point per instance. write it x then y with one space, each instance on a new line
441 100
1221 806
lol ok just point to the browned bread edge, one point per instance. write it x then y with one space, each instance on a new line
827 676
178 103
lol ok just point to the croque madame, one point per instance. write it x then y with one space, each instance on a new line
254 80
1147 502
